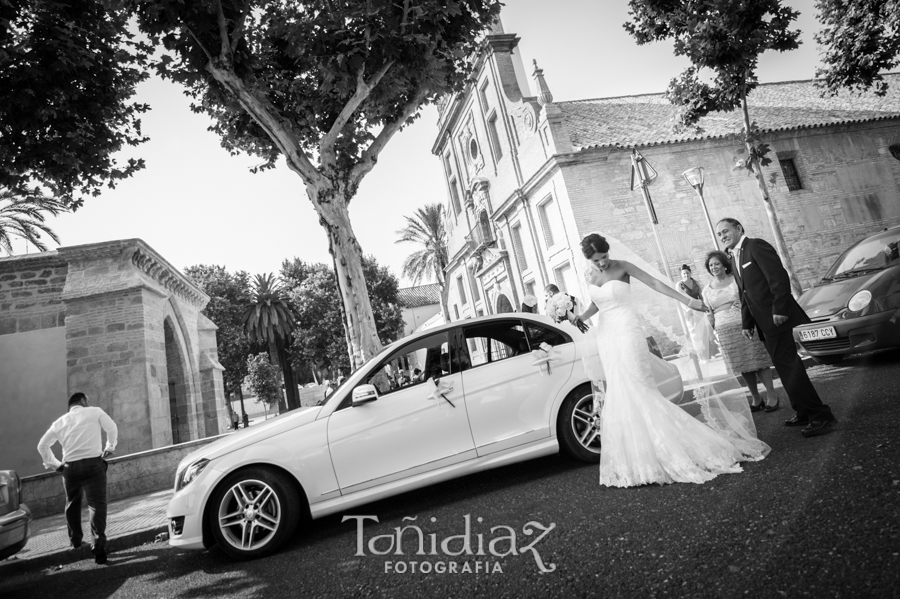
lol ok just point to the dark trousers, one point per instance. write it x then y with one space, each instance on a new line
803 396
88 477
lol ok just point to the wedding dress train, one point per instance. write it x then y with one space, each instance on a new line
645 438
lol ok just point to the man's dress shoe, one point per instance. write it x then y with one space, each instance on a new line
817 427
796 421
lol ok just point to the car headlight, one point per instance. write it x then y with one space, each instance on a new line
860 300
187 475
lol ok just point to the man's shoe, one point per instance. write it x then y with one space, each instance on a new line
99 555
818 427
796 421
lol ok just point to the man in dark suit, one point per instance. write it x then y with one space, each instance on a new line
768 307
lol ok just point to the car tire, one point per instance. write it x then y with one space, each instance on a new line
828 360
578 425
253 512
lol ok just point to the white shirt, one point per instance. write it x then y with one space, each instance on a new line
736 252
79 434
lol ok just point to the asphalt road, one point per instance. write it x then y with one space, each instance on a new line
817 518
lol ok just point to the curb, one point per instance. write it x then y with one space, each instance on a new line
62 557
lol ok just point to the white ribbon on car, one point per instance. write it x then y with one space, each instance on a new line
545 355
439 390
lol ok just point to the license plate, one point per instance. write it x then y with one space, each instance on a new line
816 334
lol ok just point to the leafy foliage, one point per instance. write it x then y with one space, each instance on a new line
229 297
68 71
320 340
328 71
725 36
425 229
270 320
861 38
263 378
24 216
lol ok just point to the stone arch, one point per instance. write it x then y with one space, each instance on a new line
178 386
184 378
503 304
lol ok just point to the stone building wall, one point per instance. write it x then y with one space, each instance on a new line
112 304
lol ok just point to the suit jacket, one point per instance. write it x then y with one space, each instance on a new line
765 289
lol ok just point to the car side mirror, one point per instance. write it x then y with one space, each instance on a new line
364 394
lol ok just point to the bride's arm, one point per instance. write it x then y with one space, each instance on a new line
584 316
660 287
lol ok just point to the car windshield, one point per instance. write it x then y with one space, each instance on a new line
874 253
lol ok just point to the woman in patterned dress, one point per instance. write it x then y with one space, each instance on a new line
745 356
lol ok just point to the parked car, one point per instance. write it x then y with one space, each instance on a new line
489 396
14 515
856 306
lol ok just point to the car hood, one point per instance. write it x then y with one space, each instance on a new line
248 436
830 297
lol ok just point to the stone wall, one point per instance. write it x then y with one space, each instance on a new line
130 475
112 304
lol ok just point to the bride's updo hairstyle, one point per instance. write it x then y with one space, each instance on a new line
594 244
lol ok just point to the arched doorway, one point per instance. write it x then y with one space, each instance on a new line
503 304
178 388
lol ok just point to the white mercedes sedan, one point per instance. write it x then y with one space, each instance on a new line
439 404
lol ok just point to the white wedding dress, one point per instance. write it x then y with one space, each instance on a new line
645 438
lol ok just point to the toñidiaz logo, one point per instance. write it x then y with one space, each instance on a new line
476 553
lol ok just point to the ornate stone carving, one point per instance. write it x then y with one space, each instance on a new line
169 279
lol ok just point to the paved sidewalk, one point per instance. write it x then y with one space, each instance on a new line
131 522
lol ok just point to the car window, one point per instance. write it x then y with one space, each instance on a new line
875 252
413 364
493 341
538 334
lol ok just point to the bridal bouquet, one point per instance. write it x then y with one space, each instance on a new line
560 306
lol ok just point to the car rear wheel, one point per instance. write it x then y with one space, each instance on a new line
253 512
578 424
828 360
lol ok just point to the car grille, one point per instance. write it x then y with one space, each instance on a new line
827 344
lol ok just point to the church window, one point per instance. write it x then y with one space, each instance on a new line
550 222
495 137
791 177
518 247
461 289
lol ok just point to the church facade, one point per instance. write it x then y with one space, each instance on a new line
527 177
113 320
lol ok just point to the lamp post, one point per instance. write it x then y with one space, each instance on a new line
695 178
641 176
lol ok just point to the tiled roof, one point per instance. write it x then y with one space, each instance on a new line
650 119
423 295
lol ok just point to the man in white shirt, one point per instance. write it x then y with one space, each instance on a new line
83 466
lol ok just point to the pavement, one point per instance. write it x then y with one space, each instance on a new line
142 519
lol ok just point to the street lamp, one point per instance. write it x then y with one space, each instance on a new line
695 178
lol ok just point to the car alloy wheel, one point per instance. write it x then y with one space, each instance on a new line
253 512
578 424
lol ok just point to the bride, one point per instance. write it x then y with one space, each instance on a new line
647 439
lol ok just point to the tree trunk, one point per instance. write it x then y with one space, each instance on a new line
275 360
362 336
290 383
780 244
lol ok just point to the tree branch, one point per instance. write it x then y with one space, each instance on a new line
238 32
223 32
370 155
363 89
266 116
198 42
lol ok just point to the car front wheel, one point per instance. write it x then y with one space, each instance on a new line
578 424
253 512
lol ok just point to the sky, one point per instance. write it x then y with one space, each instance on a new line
196 204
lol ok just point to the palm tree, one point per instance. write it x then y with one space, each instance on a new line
426 229
270 320
23 216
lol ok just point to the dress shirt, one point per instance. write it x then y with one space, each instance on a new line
79 434
736 252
